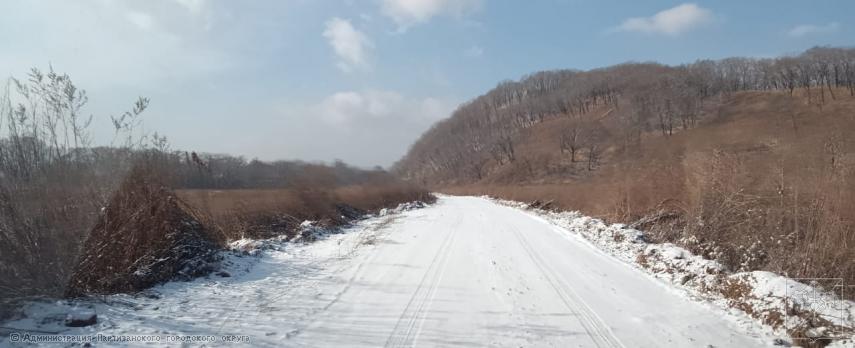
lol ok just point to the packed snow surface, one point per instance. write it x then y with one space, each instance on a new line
462 272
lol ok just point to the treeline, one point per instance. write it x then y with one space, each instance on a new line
480 135
217 171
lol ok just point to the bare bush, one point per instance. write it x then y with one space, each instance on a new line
52 181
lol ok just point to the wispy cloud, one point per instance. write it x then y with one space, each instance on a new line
407 13
355 107
370 126
348 43
194 6
105 44
142 20
672 22
810 29
474 52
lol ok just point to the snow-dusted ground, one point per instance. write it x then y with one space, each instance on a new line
783 306
463 272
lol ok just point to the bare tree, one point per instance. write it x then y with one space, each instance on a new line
572 139
594 152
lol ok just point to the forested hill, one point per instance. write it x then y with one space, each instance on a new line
607 111
749 162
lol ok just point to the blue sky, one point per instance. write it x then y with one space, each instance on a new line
360 80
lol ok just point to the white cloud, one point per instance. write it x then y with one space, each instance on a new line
194 6
346 109
673 21
142 20
473 52
809 29
407 13
364 127
349 44
106 44
435 109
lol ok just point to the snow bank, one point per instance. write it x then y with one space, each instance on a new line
402 208
310 231
783 305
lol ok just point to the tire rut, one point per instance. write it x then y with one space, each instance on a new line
414 313
600 333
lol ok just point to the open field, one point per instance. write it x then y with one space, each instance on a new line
249 213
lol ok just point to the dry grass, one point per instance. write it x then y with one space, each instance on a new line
263 213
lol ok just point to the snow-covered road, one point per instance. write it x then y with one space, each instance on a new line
462 272
469 272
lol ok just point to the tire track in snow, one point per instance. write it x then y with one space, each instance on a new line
311 318
267 302
600 333
416 310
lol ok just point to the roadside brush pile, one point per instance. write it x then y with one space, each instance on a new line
144 236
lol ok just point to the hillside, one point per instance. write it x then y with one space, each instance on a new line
744 161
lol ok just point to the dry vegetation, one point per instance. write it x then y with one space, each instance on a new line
744 161
259 213
52 182
77 219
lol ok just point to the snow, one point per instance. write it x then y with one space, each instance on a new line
770 290
769 296
462 272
